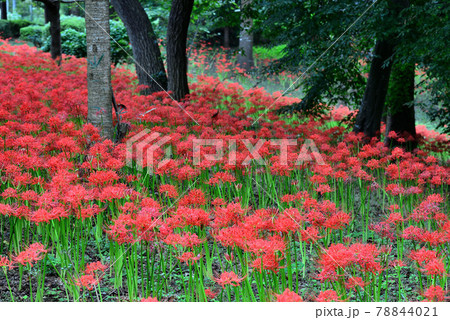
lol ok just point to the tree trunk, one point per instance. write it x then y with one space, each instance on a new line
46 17
369 116
400 106
368 120
177 29
226 37
99 66
4 10
149 64
53 16
75 10
245 56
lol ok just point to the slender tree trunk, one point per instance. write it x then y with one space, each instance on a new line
368 120
226 37
75 10
400 106
99 66
4 10
53 16
149 64
369 116
46 17
245 56
177 30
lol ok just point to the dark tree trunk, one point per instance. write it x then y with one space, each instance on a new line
226 37
46 17
52 12
400 106
149 64
75 10
368 120
369 116
179 17
4 10
245 56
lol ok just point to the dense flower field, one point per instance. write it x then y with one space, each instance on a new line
78 223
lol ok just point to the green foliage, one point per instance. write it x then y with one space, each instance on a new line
11 28
120 48
333 51
73 42
5 29
73 22
16 25
32 34
158 14
272 53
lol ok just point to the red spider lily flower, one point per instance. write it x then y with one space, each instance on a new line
185 240
185 216
42 215
434 238
395 218
395 189
221 177
210 294
373 164
150 203
93 274
5 262
169 190
328 296
324 188
195 197
392 135
434 294
268 261
327 275
337 221
412 233
189 258
290 221
6 209
9 193
397 263
231 214
87 281
229 278
217 202
354 282
423 256
33 253
310 235
288 296
94 267
434 267
229 257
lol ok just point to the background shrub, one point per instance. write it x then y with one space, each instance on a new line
5 29
121 41
73 22
32 34
72 42
16 25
